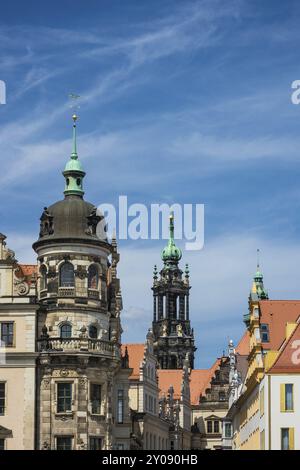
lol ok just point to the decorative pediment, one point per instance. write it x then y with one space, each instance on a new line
211 417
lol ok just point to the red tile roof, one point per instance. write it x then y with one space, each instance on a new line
136 355
243 347
288 360
28 269
277 313
200 381
168 377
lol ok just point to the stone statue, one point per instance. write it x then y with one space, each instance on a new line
179 330
164 329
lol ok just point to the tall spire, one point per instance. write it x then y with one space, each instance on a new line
74 153
73 171
171 253
258 288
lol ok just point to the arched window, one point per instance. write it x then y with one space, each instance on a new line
66 330
93 277
93 332
66 278
43 281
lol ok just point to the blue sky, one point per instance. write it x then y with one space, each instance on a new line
186 102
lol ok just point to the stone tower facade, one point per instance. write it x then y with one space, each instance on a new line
82 388
173 336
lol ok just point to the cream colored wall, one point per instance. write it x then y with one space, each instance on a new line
246 433
200 416
19 412
284 419
155 431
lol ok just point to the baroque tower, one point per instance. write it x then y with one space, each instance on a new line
82 388
173 336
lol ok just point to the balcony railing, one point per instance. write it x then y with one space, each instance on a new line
93 294
66 291
98 346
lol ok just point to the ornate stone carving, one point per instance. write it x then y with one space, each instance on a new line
64 372
45 445
22 288
46 384
81 272
92 221
46 225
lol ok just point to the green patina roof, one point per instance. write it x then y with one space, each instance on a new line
258 275
73 171
171 252
74 165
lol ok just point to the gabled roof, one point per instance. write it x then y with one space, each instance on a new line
277 313
288 360
135 355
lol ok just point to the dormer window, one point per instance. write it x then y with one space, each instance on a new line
265 334
67 278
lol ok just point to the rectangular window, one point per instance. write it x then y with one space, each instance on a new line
95 443
228 430
120 404
286 397
209 427
64 397
7 334
2 398
2 444
264 330
216 427
64 443
96 399
287 438
150 403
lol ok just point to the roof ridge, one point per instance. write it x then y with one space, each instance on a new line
284 345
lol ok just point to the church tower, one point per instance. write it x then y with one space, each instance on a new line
173 336
82 388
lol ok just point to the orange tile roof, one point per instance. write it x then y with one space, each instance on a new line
136 355
28 269
243 347
168 377
276 313
288 360
200 381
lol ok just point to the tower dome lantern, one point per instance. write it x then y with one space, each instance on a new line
171 253
73 171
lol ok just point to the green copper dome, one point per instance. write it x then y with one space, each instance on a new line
171 252
74 165
258 275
